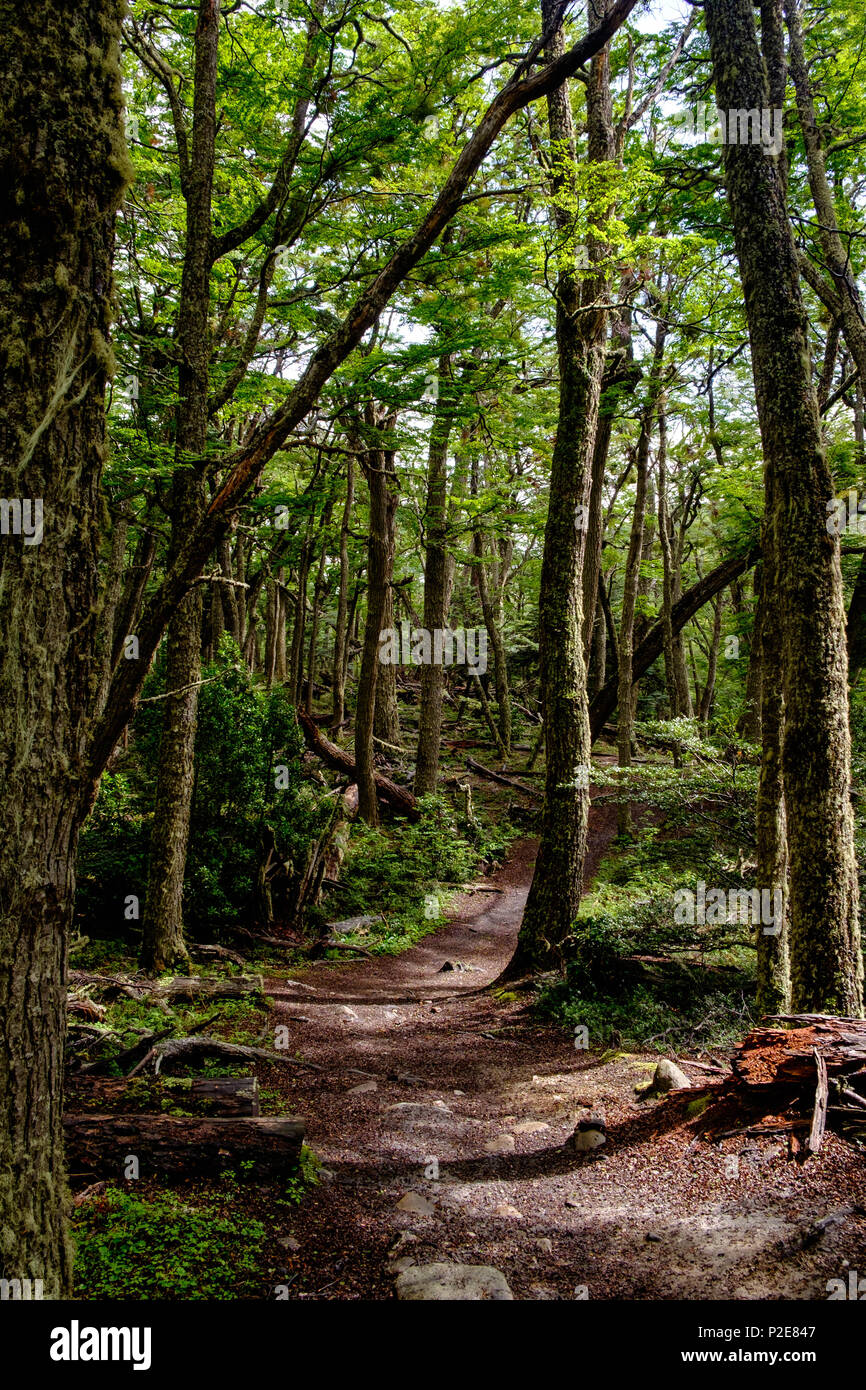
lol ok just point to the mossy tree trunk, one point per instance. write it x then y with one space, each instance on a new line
378 465
338 707
627 696
774 979
162 935
554 895
826 964
63 170
437 574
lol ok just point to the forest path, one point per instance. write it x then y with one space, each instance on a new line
465 1105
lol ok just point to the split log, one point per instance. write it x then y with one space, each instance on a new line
498 777
226 1096
819 1117
400 799
100 1146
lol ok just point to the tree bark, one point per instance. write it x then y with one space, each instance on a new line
338 708
378 466
63 171
554 895
162 945
773 967
826 964
437 577
626 692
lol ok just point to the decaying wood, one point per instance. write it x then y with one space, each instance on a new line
783 1078
185 1050
332 945
350 924
166 1146
81 1007
400 799
819 1117
183 987
498 777
225 1096
202 952
778 1056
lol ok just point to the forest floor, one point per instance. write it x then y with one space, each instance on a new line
471 1087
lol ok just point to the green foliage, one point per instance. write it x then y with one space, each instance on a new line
407 871
633 975
137 1247
296 1188
247 740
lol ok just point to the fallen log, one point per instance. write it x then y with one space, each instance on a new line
498 777
194 987
328 943
165 1146
350 924
400 799
203 952
182 987
82 1007
185 1050
224 1096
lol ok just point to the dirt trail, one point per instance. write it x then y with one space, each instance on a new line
468 1104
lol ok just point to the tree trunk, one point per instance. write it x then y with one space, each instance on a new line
835 253
749 722
626 693
162 945
378 465
386 720
774 981
826 965
338 708
318 590
667 575
299 627
436 579
554 895
63 170
494 634
706 703
650 647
